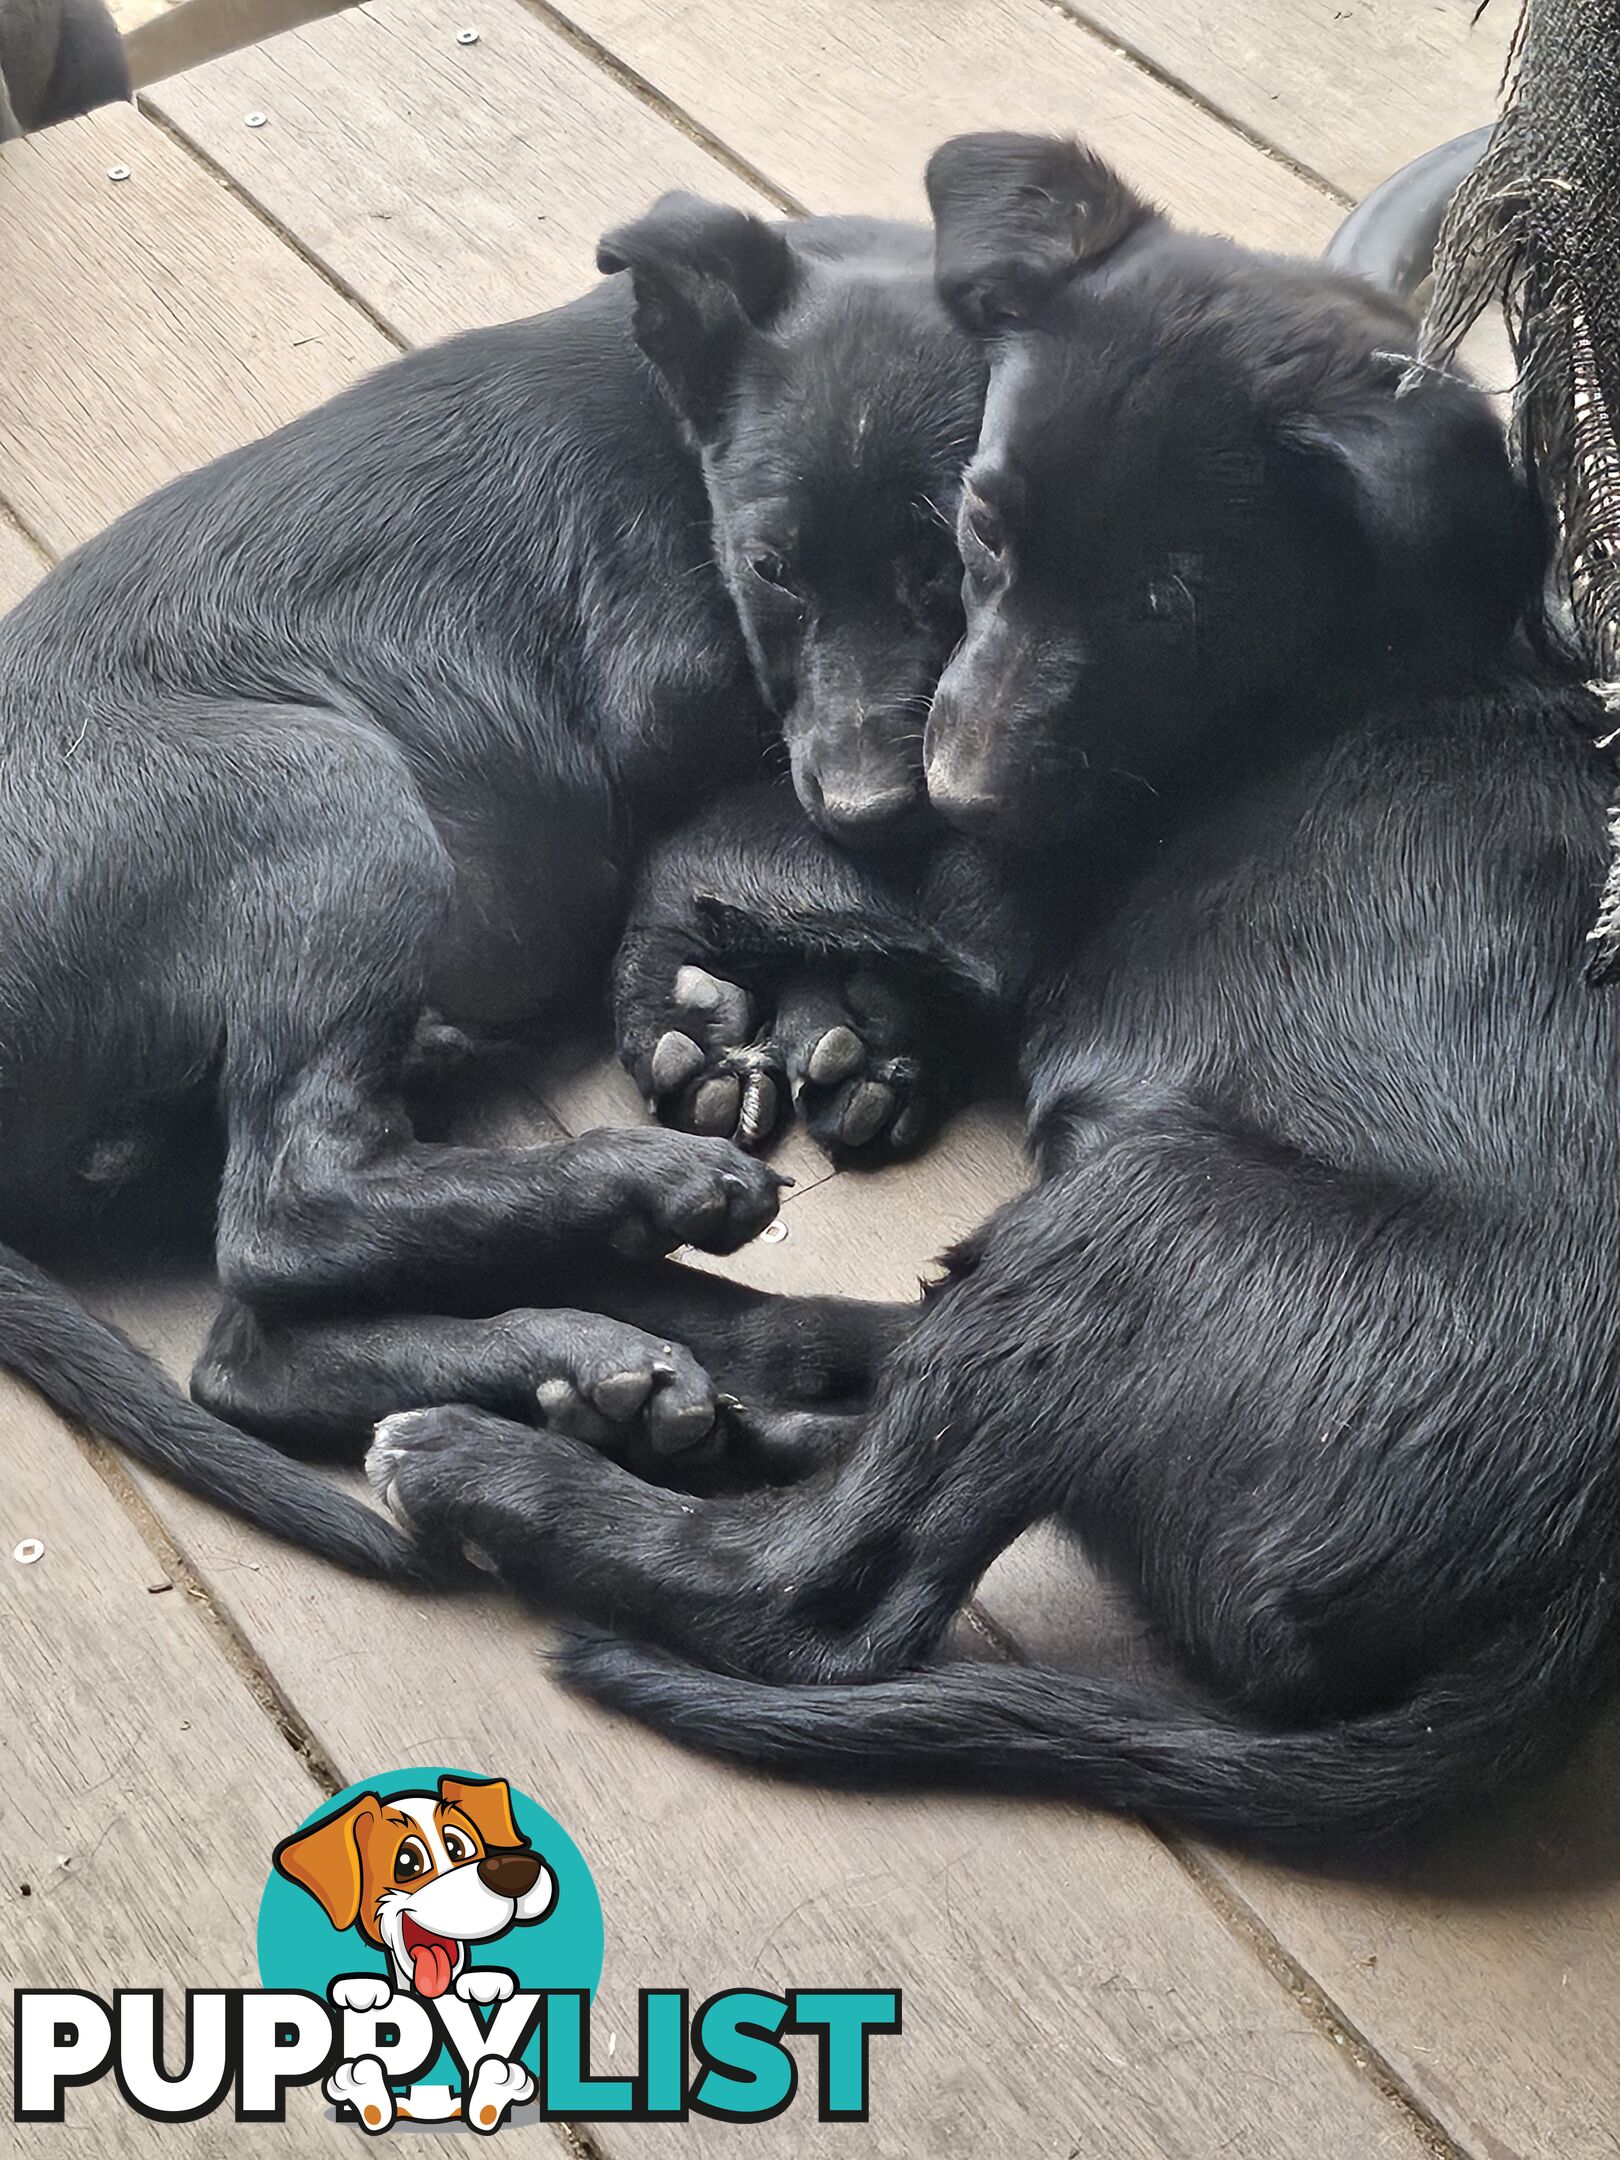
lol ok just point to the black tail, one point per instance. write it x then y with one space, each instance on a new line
91 1373
1137 1748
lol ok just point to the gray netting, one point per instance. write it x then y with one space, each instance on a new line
1537 226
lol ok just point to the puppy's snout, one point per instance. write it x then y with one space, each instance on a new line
959 771
856 808
869 808
968 812
509 1874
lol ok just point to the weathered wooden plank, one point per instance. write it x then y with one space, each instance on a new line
1487 1977
877 1233
162 324
1490 1980
840 106
160 40
1349 88
144 1784
448 184
1135 2027
21 563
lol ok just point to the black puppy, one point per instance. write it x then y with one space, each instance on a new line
1307 1329
371 718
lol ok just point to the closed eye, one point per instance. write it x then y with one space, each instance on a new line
773 571
981 536
1171 600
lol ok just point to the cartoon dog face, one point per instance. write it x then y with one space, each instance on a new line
423 1874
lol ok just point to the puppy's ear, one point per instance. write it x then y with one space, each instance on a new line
487 1805
326 1858
1015 217
704 277
1426 481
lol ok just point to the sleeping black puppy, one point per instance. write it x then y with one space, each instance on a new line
1307 1328
370 719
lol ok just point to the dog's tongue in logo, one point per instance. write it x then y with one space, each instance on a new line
433 1960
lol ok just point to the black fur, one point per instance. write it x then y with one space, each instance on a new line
374 716
1307 1328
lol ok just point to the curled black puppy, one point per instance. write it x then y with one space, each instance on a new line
370 719
1307 1328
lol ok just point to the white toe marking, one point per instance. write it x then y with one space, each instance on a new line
361 1991
496 2088
362 2085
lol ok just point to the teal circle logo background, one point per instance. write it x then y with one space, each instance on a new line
300 1948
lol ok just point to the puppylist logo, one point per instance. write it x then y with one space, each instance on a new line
429 1945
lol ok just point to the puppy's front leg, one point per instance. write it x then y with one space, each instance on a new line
321 1386
849 1573
762 966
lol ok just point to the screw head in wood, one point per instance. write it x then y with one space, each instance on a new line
30 1550
117 172
467 37
256 120
773 1232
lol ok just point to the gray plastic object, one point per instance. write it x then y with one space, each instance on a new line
1390 238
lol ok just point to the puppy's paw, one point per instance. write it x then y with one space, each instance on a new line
599 1380
412 1465
647 1191
362 2086
855 1063
436 1052
469 1485
497 2087
485 1984
361 1991
703 1064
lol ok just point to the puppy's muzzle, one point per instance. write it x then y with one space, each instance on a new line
509 1874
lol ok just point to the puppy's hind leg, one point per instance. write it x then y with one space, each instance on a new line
781 1353
796 1369
319 1386
852 1572
318 943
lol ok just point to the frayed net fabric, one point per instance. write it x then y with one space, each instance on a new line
1536 226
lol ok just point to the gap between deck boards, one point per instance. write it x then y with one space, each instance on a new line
1169 79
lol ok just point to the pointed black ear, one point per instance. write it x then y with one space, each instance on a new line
1426 480
703 277
1015 216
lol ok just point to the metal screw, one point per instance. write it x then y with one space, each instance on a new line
117 172
467 37
28 1552
773 1232
256 120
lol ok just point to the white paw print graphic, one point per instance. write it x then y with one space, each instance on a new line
363 2086
497 2087
362 1991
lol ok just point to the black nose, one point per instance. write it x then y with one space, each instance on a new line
509 1874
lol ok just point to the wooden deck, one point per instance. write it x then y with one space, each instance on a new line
176 1693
